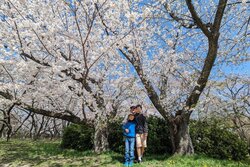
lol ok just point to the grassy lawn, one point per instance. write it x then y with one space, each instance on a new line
48 153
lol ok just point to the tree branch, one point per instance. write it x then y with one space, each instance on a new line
70 118
218 16
147 84
31 57
6 95
197 19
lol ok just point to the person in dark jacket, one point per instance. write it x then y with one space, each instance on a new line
141 132
132 111
129 133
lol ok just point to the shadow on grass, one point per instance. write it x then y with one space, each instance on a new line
156 157
36 152
117 157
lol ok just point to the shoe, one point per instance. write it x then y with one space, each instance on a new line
126 164
131 163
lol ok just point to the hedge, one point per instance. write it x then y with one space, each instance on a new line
209 138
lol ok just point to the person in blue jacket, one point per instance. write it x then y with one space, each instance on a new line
129 134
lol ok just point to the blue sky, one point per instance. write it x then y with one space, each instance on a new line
243 69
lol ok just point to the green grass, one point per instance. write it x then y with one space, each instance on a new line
48 153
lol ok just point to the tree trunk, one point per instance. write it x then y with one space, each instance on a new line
1 130
32 127
9 131
37 134
179 135
101 134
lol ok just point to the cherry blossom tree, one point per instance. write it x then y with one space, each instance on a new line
63 59
65 47
196 36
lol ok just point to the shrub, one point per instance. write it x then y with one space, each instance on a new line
78 137
115 137
215 140
158 140
211 138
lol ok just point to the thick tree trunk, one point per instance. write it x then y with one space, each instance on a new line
172 136
101 134
180 137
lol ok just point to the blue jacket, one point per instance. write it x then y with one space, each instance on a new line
130 125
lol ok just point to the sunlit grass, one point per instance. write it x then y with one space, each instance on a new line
48 153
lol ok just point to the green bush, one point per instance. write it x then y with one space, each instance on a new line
158 139
78 137
216 140
115 137
211 138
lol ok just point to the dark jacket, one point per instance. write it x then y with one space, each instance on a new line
130 125
141 124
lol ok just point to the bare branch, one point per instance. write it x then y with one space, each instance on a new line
31 57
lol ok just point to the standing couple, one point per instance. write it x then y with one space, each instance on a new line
135 130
